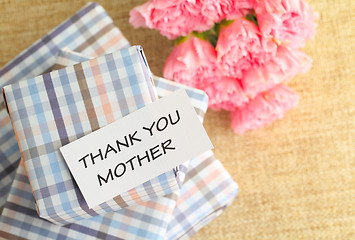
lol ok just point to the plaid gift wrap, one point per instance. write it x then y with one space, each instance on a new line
56 108
146 220
90 31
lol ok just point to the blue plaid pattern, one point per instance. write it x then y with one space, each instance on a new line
147 220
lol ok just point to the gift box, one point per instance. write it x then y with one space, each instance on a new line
208 189
150 220
90 31
146 220
56 108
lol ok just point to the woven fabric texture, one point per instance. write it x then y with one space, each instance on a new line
297 175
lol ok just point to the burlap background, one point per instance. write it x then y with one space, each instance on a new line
296 176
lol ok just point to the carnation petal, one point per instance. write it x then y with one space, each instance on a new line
193 63
264 109
290 22
286 64
241 46
226 93
139 16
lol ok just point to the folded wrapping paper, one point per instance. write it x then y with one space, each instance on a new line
56 108
90 31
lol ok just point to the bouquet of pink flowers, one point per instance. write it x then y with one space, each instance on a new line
240 52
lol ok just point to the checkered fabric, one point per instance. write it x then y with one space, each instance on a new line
90 31
56 108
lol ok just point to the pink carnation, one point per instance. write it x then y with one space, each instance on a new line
171 18
225 93
286 64
192 63
264 109
254 55
240 46
290 22
181 17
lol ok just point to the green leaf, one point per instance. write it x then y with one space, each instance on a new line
226 23
180 40
252 18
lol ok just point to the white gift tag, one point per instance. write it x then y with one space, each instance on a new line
136 148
